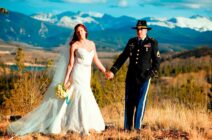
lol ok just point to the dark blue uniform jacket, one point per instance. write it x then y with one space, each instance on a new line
144 60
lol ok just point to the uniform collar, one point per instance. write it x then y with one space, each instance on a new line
146 38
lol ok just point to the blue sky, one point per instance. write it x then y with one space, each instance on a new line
134 8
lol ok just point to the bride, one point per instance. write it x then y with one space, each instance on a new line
81 113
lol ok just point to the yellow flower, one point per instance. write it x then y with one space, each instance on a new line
60 91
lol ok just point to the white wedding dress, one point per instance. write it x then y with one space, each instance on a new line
79 113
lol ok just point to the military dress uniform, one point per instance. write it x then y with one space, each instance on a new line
144 59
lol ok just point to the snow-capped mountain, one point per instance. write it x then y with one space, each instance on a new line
108 32
69 19
198 23
45 17
95 21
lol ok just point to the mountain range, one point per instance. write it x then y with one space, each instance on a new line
109 33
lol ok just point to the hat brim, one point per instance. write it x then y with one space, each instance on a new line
148 28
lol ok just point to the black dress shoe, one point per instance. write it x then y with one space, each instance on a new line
109 125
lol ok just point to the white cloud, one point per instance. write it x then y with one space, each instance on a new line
192 6
122 3
189 4
85 1
199 5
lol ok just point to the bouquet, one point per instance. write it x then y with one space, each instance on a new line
60 91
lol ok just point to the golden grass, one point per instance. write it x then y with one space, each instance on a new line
159 119
195 121
168 122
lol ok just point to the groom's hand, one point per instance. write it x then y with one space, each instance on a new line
109 75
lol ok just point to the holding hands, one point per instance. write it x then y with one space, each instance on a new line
109 75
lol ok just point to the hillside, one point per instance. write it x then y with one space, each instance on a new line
108 32
179 101
199 52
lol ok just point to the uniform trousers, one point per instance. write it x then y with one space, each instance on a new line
135 99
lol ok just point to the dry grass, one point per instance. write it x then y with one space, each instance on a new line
163 121
197 77
195 121
158 120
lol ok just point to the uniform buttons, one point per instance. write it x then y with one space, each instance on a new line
137 53
137 58
136 62
138 50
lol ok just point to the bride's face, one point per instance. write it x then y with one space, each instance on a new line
81 33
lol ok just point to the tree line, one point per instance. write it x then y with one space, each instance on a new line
21 91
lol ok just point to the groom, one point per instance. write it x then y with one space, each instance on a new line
144 58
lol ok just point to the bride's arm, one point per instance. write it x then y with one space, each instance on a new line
97 62
70 64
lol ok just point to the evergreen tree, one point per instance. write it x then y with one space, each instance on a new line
20 60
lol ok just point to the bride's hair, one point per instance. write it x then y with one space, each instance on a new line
75 37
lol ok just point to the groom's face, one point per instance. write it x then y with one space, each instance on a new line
81 33
141 33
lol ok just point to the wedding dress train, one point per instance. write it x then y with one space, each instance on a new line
79 113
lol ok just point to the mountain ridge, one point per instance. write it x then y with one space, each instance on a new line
196 22
108 32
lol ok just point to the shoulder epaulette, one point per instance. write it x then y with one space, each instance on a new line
153 40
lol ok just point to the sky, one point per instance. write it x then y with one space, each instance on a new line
133 8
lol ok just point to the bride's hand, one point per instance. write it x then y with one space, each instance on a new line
66 85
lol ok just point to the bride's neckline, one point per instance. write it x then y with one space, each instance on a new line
86 49
85 44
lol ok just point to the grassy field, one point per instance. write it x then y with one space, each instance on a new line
168 122
164 119
177 103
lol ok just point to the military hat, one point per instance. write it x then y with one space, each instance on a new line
141 24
